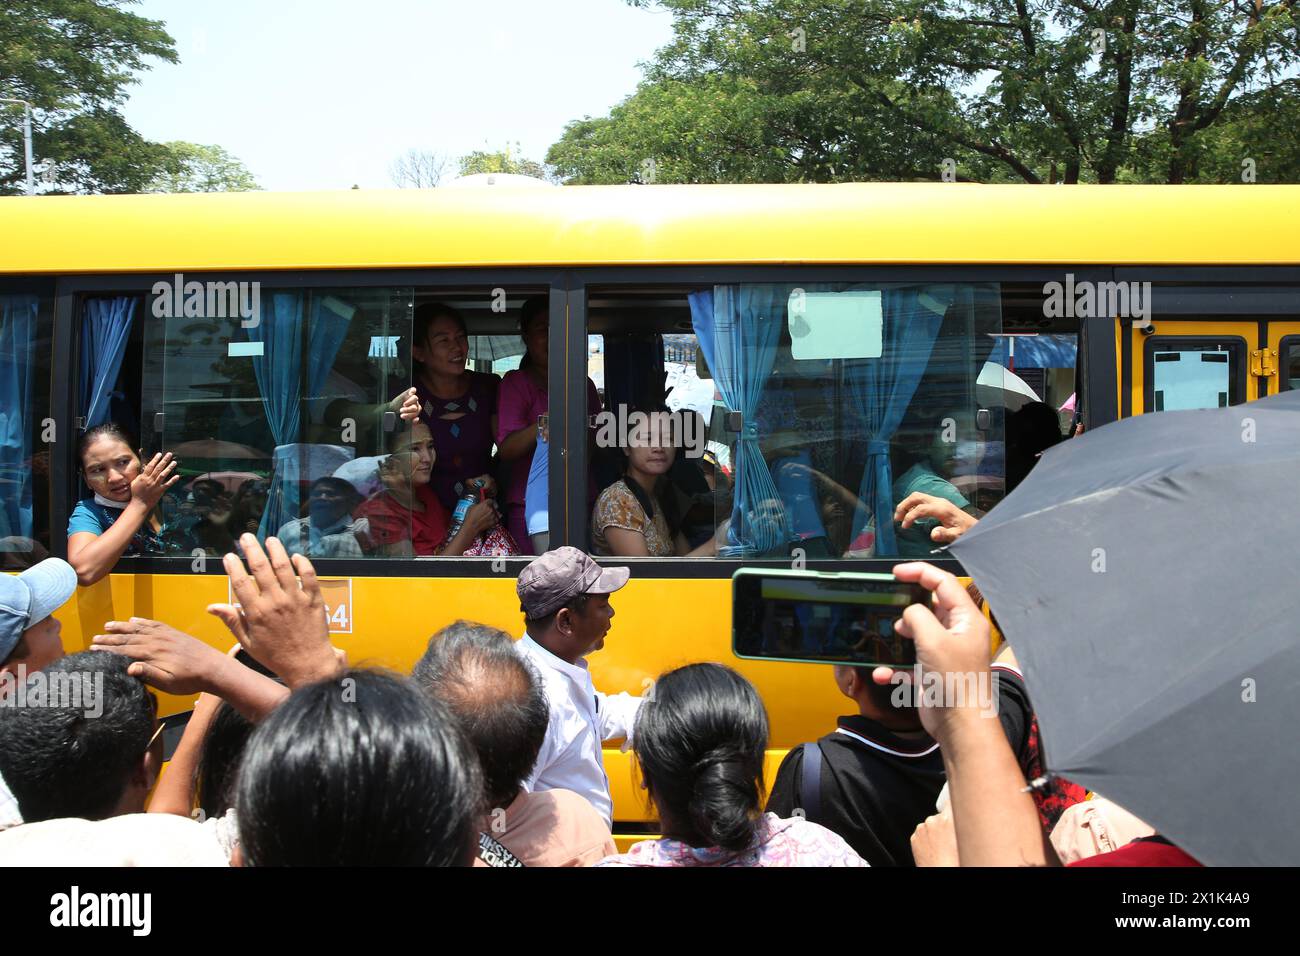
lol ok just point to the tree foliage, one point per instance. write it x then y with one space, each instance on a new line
73 61
192 168
507 160
991 90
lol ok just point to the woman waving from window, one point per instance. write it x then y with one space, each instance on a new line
121 517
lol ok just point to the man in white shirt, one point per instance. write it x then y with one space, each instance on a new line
564 595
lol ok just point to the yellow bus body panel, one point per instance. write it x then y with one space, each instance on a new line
906 223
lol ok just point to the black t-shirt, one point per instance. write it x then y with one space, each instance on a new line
877 787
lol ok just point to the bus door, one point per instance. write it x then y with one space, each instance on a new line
1209 344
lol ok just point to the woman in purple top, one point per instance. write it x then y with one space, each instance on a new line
458 406
523 398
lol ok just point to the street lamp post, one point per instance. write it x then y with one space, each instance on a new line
27 141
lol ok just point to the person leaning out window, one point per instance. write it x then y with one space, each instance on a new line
121 517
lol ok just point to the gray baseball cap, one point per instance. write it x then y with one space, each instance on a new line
27 599
557 577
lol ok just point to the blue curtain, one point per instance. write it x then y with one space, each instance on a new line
881 390
105 329
739 327
17 354
279 378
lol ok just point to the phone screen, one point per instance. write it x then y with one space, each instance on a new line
822 617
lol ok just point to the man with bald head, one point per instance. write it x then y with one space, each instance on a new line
473 670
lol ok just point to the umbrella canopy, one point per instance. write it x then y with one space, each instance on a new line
1001 386
493 347
1146 575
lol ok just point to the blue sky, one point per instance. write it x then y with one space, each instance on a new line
322 94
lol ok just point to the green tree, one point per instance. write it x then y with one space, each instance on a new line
73 60
191 168
991 90
502 161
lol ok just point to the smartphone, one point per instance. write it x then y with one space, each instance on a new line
822 617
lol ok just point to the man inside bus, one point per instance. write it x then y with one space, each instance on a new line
564 596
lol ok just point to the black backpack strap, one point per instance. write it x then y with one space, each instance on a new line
810 782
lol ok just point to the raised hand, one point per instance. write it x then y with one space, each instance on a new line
407 405
953 522
154 479
952 637
279 623
163 657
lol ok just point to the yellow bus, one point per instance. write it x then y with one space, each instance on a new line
836 344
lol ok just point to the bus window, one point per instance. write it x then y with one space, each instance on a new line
1289 362
655 470
833 437
279 420
1183 373
824 405
26 323
299 423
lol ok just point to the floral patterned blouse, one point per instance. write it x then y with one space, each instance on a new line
617 507
777 842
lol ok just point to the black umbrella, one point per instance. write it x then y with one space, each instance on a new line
1147 575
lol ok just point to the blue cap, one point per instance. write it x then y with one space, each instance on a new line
27 599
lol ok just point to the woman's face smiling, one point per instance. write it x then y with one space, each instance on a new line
445 348
110 466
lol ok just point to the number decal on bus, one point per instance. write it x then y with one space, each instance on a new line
337 594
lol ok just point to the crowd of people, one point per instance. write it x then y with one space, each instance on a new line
490 752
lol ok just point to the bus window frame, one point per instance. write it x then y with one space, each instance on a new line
1284 343
70 293
1227 277
1237 348
1098 340
46 288
568 290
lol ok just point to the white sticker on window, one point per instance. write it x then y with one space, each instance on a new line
244 349
835 325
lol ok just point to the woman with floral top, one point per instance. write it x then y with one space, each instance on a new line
699 743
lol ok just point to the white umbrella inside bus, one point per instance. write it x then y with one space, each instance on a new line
1001 386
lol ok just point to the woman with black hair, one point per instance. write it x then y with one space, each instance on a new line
635 517
361 770
458 405
699 741
121 517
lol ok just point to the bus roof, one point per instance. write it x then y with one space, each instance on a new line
885 223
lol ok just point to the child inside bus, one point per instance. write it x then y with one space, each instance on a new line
121 517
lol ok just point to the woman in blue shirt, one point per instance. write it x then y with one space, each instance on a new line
121 516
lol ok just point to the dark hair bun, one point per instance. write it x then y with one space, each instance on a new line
724 796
